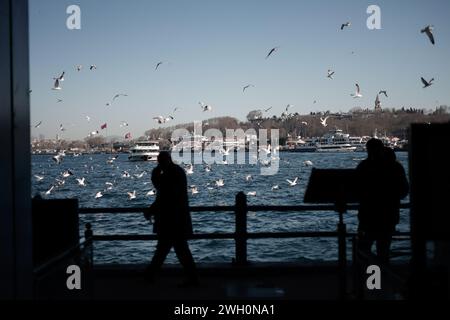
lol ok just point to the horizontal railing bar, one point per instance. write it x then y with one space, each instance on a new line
257 235
255 208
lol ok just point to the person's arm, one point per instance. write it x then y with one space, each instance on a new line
156 177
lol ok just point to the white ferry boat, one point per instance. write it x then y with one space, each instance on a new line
144 151
335 141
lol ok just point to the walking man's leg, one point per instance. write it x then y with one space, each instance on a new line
187 261
162 250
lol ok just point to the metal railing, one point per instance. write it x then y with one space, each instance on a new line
241 234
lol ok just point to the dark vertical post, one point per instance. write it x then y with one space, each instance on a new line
342 252
241 228
15 170
88 234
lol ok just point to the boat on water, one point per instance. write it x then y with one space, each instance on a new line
144 151
333 141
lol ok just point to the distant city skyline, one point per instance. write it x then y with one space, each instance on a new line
211 50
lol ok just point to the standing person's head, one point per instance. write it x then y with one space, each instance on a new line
375 149
164 159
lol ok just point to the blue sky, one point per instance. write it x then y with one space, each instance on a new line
211 49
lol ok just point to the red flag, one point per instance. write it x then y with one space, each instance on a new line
128 135
103 126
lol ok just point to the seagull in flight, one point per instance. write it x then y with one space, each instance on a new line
59 100
131 195
98 195
39 178
190 169
49 190
330 74
426 83
383 92
38 124
67 174
220 183
205 107
81 182
429 31
323 121
93 67
292 183
56 85
88 118
357 94
119 95
308 163
61 77
158 64
246 87
272 51
161 119
123 124
79 67
347 24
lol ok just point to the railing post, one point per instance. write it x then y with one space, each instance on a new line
241 229
88 235
342 252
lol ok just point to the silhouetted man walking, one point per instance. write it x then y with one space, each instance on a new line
173 224
382 184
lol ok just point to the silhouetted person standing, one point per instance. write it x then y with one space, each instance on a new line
173 224
382 184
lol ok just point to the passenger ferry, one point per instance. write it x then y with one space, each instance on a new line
144 151
335 141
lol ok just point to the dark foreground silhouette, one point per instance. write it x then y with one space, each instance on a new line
172 224
382 184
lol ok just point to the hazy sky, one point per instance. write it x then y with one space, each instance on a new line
211 49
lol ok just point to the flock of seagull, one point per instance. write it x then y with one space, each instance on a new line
205 107
81 181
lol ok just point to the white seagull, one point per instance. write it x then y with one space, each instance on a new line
357 94
323 121
190 169
39 178
98 195
49 190
131 195
220 183
292 183
81 182
308 163
151 193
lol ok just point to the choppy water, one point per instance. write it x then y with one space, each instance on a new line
97 172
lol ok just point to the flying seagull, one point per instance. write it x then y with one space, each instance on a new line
272 51
246 87
59 100
131 195
357 94
347 24
92 67
38 124
330 74
88 118
205 107
383 92
119 95
323 121
429 31
426 83
56 85
79 67
292 183
61 77
161 119
158 64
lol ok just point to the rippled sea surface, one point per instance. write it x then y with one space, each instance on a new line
97 172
